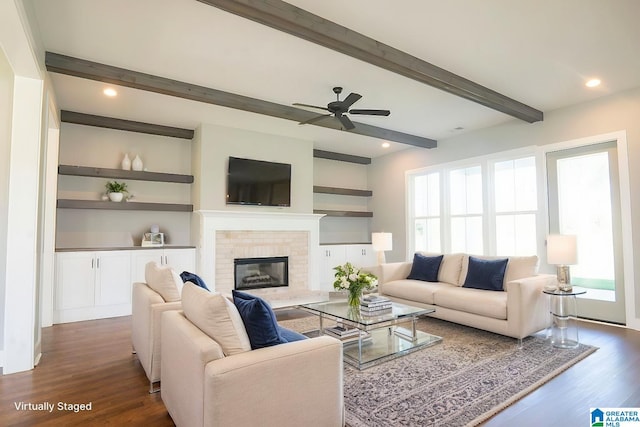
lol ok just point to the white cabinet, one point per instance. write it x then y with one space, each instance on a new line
92 285
97 284
179 259
360 255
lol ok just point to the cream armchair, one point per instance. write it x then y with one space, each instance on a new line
294 384
147 308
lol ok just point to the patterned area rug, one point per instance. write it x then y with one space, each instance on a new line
469 377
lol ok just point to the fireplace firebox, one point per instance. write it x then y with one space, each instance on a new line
265 272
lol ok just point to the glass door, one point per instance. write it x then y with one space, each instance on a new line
584 199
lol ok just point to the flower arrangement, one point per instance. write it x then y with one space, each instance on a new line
354 280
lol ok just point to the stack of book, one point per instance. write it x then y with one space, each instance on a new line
374 305
342 332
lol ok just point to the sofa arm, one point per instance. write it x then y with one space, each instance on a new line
527 306
394 271
298 383
185 352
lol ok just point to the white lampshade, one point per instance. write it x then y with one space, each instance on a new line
562 249
381 241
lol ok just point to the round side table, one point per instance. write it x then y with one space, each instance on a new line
564 314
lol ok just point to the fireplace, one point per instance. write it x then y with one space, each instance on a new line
264 272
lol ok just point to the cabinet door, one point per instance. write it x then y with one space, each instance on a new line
75 280
361 255
139 260
181 259
330 256
113 278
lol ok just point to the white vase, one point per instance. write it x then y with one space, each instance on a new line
126 163
136 165
116 197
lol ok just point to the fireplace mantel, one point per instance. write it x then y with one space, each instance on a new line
211 222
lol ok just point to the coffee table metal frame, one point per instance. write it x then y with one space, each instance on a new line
381 337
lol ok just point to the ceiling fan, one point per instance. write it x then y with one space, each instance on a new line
338 109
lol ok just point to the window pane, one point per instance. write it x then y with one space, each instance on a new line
515 185
505 186
427 235
433 194
433 235
420 195
465 190
466 235
585 210
516 235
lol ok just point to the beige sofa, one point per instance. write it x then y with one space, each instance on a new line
159 293
521 309
221 382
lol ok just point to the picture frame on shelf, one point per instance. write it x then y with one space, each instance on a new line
153 239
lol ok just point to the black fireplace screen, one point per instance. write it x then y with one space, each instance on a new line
254 273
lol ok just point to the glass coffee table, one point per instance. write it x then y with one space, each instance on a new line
373 339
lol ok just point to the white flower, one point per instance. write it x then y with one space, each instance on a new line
353 277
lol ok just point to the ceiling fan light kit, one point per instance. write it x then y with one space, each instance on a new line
338 109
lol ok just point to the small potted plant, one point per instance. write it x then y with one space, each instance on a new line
116 190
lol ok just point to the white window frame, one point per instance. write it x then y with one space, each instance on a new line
486 164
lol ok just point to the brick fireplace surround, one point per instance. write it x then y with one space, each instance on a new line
226 235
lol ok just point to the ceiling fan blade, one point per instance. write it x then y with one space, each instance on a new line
314 119
350 100
310 106
371 112
346 122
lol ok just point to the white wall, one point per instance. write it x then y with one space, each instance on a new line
6 103
105 148
213 146
608 114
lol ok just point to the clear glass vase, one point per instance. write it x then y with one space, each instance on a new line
355 296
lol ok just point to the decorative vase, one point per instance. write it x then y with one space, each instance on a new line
126 162
116 197
354 298
136 165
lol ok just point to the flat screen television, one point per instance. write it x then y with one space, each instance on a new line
257 182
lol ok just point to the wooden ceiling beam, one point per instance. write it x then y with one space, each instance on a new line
300 23
106 73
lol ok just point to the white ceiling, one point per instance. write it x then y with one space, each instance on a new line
539 53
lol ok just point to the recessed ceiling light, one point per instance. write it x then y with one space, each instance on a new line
110 92
593 83
386 145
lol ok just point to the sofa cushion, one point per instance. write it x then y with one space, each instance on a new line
259 320
425 268
413 290
474 301
217 317
518 267
163 280
485 274
449 268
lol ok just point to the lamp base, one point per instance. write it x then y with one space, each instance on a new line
381 258
564 278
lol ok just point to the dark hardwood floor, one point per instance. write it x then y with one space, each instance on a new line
91 362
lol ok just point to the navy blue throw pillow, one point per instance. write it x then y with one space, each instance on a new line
485 274
290 336
193 278
259 320
425 268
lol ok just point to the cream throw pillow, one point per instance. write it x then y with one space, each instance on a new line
163 280
217 317
449 268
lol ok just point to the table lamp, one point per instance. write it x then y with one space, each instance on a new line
381 242
562 251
